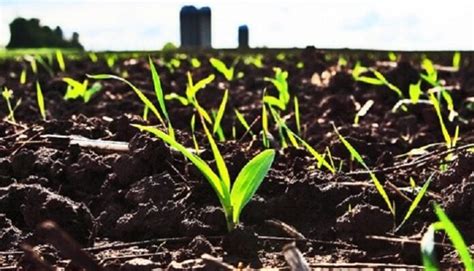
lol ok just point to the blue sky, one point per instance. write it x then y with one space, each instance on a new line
148 24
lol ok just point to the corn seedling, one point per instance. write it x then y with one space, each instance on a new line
378 80
281 84
233 199
321 161
45 65
60 59
255 60
265 132
7 95
283 129
355 154
416 201
363 111
147 103
392 56
195 63
217 129
457 60
193 129
415 92
93 57
431 76
297 115
23 77
33 65
243 122
450 141
110 59
220 66
428 243
40 100
160 95
76 89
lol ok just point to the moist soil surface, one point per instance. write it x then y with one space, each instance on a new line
145 206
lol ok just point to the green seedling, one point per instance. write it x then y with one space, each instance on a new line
233 199
220 66
33 65
45 65
7 95
147 103
378 80
160 95
457 60
431 76
300 65
265 132
40 100
450 141
243 122
355 154
297 115
76 89
428 243
341 62
110 59
363 111
60 59
195 62
93 57
255 60
283 130
23 77
217 129
293 137
416 201
392 56
415 92
281 84
193 129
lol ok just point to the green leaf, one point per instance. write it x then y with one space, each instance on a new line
173 96
220 112
427 247
297 115
96 87
23 77
248 181
363 110
431 73
444 130
40 100
75 88
455 237
415 92
60 59
222 68
205 169
272 101
457 60
220 163
137 91
265 133
242 121
416 201
158 89
370 80
374 178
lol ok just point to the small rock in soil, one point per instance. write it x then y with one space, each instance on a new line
200 245
138 264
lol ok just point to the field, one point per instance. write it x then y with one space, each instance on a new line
142 159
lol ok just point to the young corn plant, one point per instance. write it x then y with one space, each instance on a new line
428 242
7 95
293 137
297 115
148 104
233 199
40 100
431 77
456 60
243 122
363 111
23 77
217 129
378 80
355 154
60 60
76 89
281 84
227 72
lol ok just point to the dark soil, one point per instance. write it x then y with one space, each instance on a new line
153 196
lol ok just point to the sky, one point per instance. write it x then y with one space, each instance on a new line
149 24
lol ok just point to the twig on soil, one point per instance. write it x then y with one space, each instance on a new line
400 240
24 143
294 258
131 256
313 241
290 230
